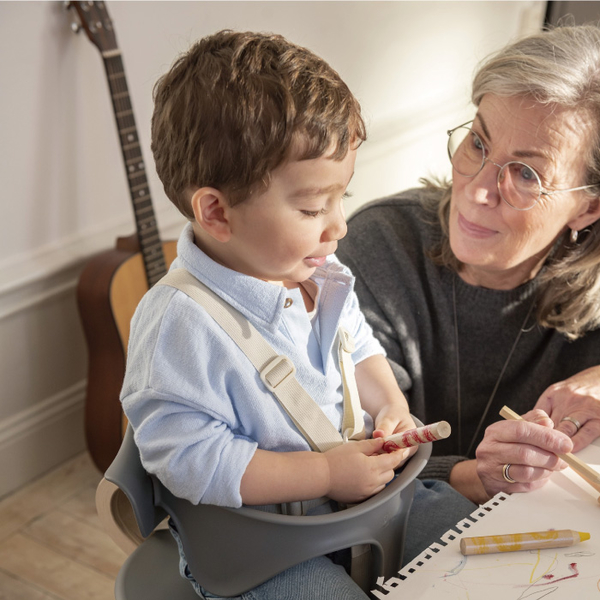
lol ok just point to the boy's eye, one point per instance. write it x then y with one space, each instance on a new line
312 213
323 211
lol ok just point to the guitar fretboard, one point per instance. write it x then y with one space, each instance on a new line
145 220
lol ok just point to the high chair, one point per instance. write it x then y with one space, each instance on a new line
230 551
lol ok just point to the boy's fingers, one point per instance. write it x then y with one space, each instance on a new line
386 426
370 446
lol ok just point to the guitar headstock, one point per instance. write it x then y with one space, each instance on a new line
97 24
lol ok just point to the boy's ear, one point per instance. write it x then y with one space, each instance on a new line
211 212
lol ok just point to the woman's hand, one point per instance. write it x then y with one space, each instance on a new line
579 399
530 447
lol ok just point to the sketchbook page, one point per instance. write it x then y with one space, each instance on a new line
565 502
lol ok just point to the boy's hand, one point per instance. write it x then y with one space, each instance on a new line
357 470
392 420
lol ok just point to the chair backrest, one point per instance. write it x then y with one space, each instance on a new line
125 499
230 551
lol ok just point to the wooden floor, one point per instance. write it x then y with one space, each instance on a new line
52 546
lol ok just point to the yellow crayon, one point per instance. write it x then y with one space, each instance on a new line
513 542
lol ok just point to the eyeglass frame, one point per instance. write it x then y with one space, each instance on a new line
501 167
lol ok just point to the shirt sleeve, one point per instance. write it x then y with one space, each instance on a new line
176 397
372 323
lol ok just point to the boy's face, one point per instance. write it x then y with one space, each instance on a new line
284 233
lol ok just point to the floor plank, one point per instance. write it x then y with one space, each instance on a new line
83 506
50 570
77 540
12 588
50 491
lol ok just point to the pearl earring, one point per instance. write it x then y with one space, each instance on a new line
574 235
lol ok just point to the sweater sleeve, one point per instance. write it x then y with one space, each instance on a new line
440 467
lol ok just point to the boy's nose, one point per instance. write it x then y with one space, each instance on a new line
336 227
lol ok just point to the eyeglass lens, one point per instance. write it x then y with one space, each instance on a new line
518 184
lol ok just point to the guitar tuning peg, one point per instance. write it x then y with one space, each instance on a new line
66 4
75 27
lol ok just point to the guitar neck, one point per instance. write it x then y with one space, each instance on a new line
145 219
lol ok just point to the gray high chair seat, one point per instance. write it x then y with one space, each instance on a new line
230 551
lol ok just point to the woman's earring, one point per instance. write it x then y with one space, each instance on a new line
574 235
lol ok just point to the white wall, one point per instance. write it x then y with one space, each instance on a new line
63 192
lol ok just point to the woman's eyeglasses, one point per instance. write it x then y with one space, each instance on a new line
518 183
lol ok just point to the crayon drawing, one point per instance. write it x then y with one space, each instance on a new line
524 576
566 502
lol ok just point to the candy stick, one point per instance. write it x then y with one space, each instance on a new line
420 435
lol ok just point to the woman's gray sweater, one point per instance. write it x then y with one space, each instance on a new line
409 303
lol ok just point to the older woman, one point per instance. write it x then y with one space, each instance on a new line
486 292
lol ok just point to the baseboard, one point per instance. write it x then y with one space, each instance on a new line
40 438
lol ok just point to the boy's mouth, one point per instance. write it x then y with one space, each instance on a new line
315 261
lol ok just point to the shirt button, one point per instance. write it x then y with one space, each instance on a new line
288 303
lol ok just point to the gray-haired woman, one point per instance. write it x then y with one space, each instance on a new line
486 292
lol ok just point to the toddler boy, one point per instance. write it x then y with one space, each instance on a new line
255 141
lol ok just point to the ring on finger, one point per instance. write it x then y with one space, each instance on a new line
572 420
506 474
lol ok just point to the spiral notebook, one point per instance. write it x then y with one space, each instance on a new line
565 502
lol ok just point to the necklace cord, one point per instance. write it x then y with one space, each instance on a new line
458 397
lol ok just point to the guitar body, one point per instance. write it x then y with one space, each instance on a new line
110 287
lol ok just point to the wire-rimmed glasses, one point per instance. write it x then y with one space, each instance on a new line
518 183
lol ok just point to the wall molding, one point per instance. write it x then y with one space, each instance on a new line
50 272
31 419
37 439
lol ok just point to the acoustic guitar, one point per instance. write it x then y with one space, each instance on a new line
113 282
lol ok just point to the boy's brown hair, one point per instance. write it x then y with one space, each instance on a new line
228 111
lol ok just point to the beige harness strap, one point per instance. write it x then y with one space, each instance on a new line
353 423
277 371
278 374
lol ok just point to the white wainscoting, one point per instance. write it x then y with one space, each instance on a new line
44 366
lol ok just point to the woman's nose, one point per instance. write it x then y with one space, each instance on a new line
483 188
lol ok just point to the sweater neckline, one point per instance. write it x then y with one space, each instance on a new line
491 297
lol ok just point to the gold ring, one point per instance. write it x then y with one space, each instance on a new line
572 420
506 475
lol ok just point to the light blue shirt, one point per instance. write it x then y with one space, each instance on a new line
196 403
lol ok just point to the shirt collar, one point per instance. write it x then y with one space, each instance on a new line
257 300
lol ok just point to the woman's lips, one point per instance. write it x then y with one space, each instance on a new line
473 230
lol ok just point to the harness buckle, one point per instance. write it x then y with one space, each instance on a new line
277 371
346 340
